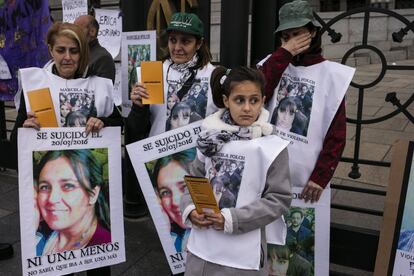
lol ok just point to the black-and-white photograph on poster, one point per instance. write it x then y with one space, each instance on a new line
71 182
293 105
160 163
225 177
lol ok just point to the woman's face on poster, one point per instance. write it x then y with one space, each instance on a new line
181 118
171 102
171 186
285 117
61 199
64 110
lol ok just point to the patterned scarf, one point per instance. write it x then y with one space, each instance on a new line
220 128
185 70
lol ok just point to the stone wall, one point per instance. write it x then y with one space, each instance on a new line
381 27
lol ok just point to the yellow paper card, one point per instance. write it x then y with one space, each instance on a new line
41 104
202 194
151 77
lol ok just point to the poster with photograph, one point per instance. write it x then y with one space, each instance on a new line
293 104
70 192
404 230
160 163
110 30
136 47
306 251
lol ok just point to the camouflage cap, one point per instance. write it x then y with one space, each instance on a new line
186 23
294 15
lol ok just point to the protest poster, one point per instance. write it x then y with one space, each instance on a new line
136 47
160 163
395 255
110 30
306 251
72 9
70 195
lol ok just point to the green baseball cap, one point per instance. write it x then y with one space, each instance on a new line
186 23
295 14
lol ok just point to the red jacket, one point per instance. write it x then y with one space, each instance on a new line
334 142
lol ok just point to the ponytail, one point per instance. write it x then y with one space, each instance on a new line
223 80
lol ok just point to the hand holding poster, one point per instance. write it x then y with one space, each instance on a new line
160 163
72 9
71 182
110 30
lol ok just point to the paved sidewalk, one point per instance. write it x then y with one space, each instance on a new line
144 252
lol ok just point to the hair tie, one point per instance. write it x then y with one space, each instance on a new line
224 77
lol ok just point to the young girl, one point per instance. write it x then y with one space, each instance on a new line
237 140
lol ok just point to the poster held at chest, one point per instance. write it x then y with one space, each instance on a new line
306 251
136 47
70 200
160 163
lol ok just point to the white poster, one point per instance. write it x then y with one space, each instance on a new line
117 94
306 251
136 47
72 9
110 29
4 69
70 195
403 258
160 163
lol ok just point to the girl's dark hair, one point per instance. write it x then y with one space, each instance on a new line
88 170
316 43
233 77
204 54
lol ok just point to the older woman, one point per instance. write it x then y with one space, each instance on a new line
186 66
71 201
70 53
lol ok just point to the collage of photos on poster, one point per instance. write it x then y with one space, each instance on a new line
182 108
75 108
293 105
167 177
297 256
225 178
71 194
